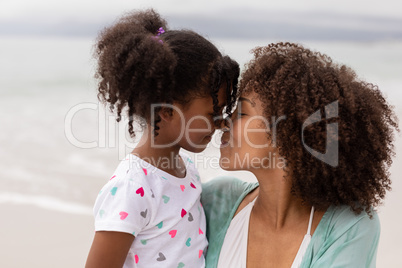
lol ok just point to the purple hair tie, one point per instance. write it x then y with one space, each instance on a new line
160 31
156 37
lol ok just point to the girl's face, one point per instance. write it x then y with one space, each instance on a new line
245 144
193 125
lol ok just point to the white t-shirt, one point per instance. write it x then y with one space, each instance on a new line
163 212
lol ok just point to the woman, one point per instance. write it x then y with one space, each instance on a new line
319 142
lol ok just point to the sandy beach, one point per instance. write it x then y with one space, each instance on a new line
35 237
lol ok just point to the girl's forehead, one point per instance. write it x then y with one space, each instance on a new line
201 104
198 105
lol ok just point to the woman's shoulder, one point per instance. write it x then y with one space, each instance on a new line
341 223
341 236
343 218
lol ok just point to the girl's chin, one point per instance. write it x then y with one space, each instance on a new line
195 149
208 138
199 149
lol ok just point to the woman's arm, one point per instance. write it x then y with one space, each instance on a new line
109 249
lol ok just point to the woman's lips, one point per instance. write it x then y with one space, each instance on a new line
224 139
224 143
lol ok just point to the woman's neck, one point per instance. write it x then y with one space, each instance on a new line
275 204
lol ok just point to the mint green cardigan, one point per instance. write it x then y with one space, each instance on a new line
341 239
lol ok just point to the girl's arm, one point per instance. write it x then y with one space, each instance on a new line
109 249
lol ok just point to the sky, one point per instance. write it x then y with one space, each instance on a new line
291 19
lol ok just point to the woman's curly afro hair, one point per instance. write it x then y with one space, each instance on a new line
295 82
138 68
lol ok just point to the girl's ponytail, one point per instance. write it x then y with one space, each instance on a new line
135 67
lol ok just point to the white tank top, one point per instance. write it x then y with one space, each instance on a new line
234 249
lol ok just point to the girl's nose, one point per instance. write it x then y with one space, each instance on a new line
219 123
224 124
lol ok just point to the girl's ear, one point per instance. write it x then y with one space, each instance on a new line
166 114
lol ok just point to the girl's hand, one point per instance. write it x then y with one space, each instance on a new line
109 249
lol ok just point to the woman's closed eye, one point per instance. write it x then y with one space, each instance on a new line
237 115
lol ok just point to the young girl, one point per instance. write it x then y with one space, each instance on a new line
176 83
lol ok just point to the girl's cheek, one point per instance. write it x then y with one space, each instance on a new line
200 124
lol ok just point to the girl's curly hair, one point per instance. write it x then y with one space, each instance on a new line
295 82
137 68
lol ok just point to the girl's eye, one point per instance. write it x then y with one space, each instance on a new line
213 116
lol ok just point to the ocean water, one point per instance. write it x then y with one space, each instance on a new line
59 145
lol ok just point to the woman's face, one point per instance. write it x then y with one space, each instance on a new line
245 144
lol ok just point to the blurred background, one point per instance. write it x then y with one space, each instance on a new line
59 145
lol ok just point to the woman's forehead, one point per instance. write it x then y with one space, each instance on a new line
250 97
